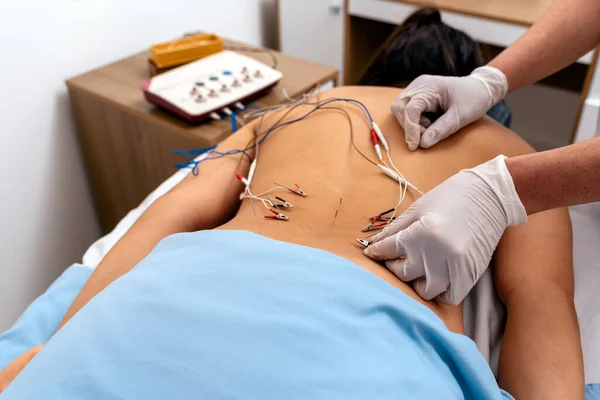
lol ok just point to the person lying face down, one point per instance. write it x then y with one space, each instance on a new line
205 298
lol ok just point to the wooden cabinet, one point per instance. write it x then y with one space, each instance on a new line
128 144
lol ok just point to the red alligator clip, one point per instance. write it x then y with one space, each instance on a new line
277 215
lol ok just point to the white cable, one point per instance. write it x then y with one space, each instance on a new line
400 201
407 184
402 192
389 172
264 202
389 156
395 173
270 190
285 95
389 169
378 151
252 169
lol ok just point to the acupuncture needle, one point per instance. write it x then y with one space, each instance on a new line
252 203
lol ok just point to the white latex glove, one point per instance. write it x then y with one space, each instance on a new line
464 100
445 240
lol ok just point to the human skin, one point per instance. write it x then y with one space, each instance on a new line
344 190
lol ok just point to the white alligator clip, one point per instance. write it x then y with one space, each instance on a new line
364 243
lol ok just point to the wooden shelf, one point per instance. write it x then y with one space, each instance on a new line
523 12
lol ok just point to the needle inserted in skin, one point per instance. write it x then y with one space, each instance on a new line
251 202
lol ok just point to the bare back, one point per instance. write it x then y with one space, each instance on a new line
534 270
343 188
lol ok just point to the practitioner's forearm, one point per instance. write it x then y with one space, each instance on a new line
557 178
567 31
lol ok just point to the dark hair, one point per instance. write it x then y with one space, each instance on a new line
423 44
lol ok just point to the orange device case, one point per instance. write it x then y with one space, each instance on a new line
184 50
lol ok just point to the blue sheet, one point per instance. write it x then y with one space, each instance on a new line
41 319
231 314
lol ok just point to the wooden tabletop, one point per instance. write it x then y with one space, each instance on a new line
120 82
523 12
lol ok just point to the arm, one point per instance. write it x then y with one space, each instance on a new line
450 235
198 202
10 372
540 357
172 213
565 32
557 178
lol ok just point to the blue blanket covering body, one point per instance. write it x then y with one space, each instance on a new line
234 315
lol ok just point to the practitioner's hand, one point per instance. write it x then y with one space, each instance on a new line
464 100
445 240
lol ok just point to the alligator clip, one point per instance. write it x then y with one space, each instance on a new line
242 179
364 243
283 203
372 226
298 189
277 215
378 216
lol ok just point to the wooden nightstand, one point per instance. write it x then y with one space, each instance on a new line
128 144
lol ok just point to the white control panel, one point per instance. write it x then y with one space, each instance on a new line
198 89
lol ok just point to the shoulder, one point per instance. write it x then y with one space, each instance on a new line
375 94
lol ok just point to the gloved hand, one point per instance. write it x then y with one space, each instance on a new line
464 100
445 240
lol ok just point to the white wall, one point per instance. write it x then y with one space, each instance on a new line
46 212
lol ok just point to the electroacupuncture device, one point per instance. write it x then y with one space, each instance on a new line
204 88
